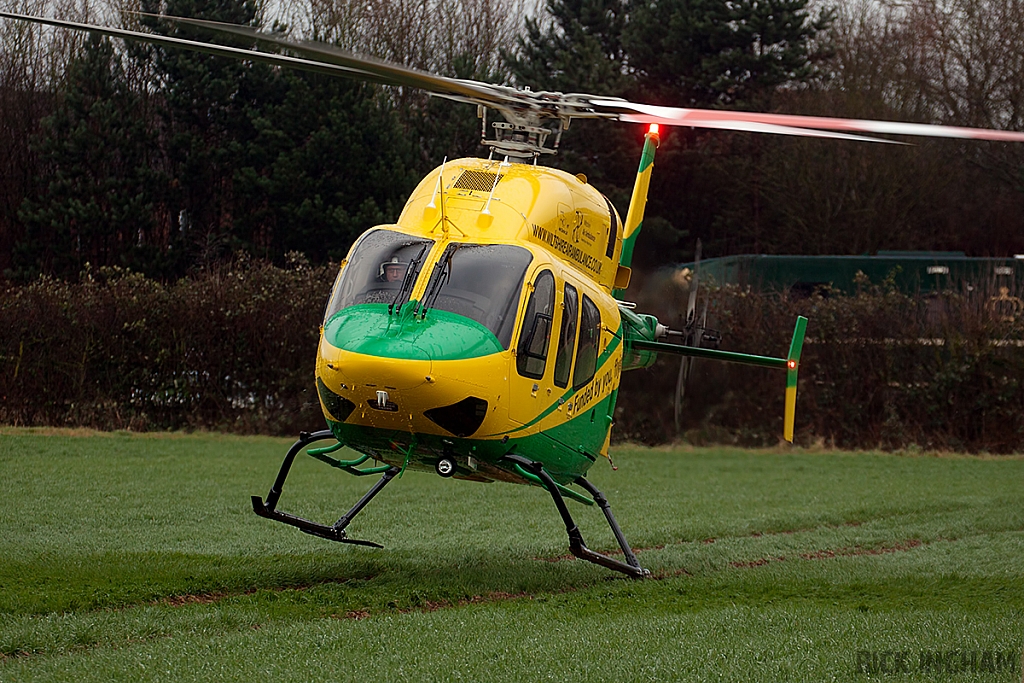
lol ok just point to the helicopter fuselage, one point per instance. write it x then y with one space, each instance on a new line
482 323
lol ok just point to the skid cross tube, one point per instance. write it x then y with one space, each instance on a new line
577 546
334 532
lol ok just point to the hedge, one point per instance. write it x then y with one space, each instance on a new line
234 348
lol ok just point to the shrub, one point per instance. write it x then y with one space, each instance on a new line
234 348
880 369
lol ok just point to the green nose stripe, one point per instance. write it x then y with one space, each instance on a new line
369 329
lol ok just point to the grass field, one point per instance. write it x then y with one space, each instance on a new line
138 558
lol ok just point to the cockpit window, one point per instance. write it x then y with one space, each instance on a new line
381 270
482 282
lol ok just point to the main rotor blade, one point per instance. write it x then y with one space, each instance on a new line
523 106
208 48
394 74
755 127
327 59
740 120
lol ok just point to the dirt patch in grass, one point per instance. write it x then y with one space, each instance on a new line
853 551
709 540
857 550
438 605
187 599
183 600
760 562
487 598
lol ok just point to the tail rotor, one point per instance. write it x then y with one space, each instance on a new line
695 333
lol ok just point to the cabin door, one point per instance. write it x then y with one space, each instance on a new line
530 375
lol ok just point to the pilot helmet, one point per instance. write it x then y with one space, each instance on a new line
395 261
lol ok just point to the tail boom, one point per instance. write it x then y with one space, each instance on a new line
791 364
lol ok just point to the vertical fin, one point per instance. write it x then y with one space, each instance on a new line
792 367
638 202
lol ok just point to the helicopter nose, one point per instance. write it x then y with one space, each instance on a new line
388 373
419 374
368 348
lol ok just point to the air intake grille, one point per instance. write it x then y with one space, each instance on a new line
478 181
462 418
338 406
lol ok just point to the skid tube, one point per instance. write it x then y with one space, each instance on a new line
577 546
334 532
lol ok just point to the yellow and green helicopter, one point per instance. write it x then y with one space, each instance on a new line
483 335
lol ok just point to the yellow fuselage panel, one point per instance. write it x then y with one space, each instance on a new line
488 201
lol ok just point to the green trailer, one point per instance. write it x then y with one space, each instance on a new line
911 271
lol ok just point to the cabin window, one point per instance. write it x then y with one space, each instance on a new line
381 269
482 282
532 353
567 337
590 336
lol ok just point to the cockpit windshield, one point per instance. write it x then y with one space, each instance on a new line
482 282
381 270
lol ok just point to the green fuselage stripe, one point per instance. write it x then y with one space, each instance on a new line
370 329
647 156
564 398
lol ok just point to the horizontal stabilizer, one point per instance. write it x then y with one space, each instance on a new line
791 364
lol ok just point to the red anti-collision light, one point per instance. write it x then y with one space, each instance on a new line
791 364
653 130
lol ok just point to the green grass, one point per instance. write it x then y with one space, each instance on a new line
139 557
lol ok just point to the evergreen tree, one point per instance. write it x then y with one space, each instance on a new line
578 47
273 160
734 53
204 118
97 189
447 129
327 161
580 50
709 53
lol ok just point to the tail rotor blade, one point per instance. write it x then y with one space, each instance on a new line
691 305
685 364
694 337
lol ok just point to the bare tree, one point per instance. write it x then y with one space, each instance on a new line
32 64
955 62
424 34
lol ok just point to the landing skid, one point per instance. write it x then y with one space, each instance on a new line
577 546
334 532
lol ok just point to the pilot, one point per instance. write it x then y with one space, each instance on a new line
392 271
